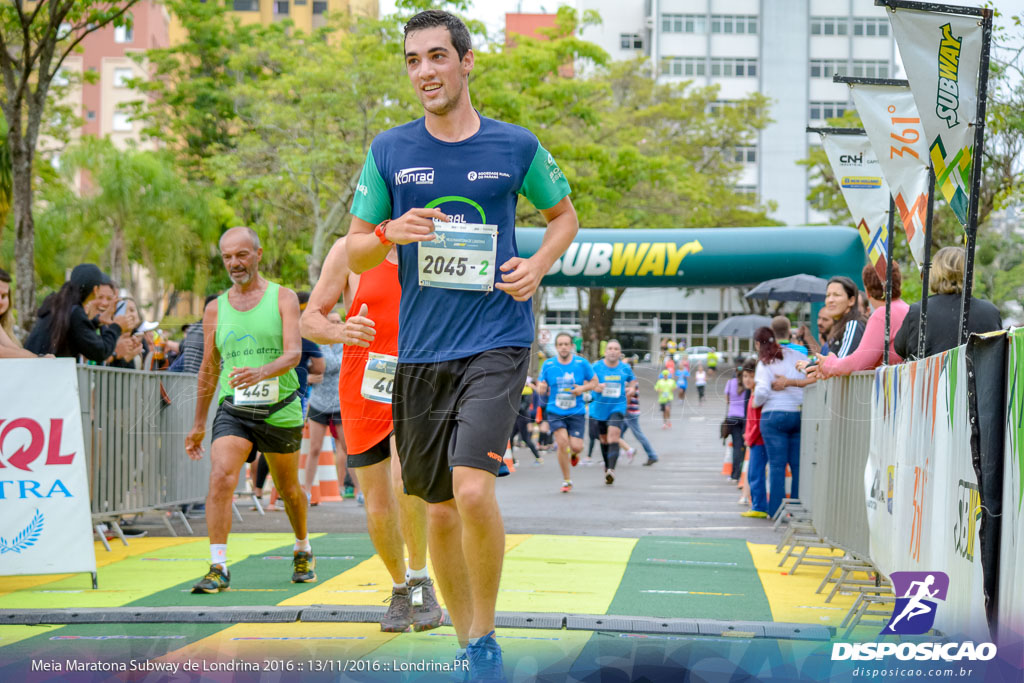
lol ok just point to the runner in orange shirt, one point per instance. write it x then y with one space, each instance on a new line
367 378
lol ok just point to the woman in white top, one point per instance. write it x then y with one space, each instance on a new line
778 392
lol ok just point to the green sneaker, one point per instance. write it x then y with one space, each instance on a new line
304 564
215 581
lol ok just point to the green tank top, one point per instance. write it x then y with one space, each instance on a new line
247 339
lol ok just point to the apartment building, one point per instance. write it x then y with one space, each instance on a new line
307 15
787 49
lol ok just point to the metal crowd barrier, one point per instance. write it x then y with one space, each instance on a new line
134 425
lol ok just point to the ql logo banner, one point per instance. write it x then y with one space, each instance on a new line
914 613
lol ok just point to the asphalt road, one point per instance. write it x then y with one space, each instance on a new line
684 494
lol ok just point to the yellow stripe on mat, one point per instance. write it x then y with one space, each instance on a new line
563 574
367 583
118 552
791 597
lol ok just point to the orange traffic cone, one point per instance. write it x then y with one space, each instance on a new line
326 473
727 462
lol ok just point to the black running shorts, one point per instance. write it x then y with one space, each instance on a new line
377 453
616 420
264 438
455 413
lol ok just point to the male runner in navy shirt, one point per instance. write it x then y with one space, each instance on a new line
444 189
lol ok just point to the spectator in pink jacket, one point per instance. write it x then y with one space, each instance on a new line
869 353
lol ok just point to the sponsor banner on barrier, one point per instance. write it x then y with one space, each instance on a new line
942 54
894 128
866 193
920 486
43 483
1011 588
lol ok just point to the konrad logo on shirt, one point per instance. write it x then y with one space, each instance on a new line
421 175
486 175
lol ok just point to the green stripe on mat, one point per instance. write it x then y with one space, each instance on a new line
691 578
263 577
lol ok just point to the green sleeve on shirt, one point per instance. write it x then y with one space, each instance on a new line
545 184
372 201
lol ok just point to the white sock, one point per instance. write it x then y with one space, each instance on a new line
219 554
302 544
411 573
399 586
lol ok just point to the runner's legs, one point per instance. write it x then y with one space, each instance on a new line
284 468
227 456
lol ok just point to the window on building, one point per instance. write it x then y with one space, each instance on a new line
281 7
684 66
631 41
123 34
90 116
870 26
121 121
820 111
829 26
749 191
319 7
871 68
827 68
741 67
684 23
730 23
746 154
121 75
245 5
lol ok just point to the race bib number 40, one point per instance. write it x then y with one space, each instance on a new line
259 394
460 257
379 377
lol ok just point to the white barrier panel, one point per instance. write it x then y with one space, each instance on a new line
44 494
920 486
1011 560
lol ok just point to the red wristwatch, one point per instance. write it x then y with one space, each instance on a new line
379 232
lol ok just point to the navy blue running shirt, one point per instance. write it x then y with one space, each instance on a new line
477 180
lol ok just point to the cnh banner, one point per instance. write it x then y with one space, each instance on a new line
942 54
894 128
44 491
920 486
866 193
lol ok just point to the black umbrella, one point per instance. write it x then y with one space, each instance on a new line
740 326
793 288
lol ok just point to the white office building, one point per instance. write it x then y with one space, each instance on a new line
786 49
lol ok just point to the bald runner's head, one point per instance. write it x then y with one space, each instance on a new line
241 252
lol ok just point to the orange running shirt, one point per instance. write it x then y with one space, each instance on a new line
366 423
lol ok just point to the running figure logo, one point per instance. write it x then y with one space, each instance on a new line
914 613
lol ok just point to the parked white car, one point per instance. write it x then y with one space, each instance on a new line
698 355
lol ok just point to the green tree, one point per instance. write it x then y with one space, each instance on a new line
35 39
134 208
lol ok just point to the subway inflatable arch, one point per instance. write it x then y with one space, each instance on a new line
699 257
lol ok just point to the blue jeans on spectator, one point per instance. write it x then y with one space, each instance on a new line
781 433
755 477
633 422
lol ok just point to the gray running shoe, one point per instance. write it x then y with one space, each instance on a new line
215 581
399 614
303 565
426 613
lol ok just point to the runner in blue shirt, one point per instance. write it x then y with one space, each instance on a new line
615 382
564 379
682 379
444 189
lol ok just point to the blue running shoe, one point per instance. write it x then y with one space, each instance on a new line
485 660
460 673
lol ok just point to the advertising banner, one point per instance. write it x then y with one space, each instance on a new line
43 482
1011 564
893 126
942 54
866 193
924 513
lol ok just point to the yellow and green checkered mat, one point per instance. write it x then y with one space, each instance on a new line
722 579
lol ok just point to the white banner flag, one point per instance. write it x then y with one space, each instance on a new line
894 129
942 55
44 490
865 191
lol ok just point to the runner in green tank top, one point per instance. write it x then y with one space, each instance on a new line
253 329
